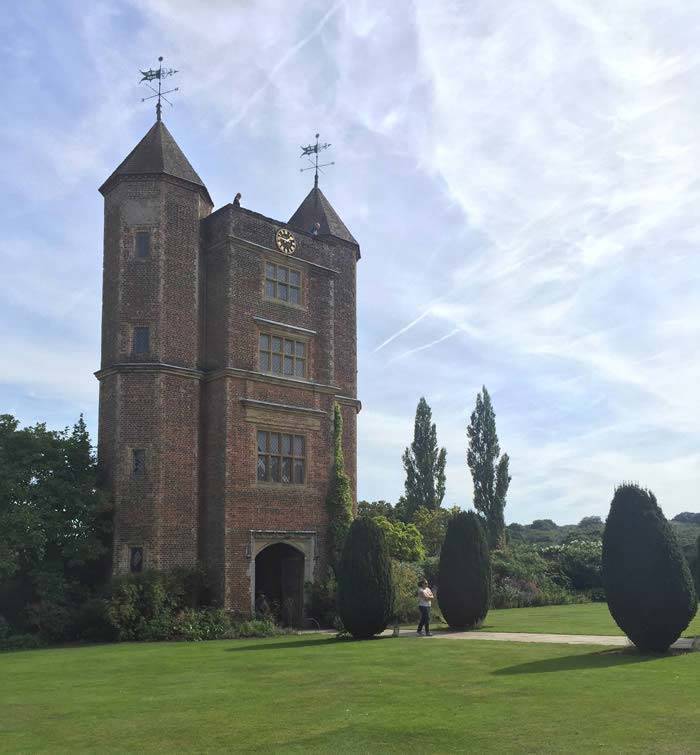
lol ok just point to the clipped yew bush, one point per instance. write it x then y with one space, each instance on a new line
365 587
464 572
646 578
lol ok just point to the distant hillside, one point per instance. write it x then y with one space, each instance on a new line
545 531
548 532
687 518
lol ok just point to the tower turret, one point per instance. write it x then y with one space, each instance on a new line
151 353
316 209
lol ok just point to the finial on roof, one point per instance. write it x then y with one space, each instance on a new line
158 73
314 149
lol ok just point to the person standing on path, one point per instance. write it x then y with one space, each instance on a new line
425 595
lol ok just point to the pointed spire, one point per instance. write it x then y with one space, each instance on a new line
317 209
157 153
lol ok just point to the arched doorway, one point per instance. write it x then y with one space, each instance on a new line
279 576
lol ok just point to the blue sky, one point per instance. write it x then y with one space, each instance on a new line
522 178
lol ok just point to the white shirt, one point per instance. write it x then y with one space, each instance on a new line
424 596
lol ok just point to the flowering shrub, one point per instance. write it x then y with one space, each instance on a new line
511 592
255 628
522 576
201 624
579 561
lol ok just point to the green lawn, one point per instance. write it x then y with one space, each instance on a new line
584 618
315 693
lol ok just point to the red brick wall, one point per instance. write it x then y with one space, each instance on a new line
152 407
200 292
238 243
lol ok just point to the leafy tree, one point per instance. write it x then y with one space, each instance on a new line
405 577
647 581
515 533
376 508
403 540
543 524
488 468
464 575
339 498
591 522
432 525
590 527
55 526
424 463
579 561
365 587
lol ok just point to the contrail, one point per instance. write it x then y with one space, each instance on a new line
281 63
426 346
403 330
526 226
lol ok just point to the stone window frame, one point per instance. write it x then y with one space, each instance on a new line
130 558
132 244
134 473
139 248
281 455
285 337
284 264
147 329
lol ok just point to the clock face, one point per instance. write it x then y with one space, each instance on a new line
285 241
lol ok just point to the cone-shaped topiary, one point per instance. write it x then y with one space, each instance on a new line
365 587
464 574
647 581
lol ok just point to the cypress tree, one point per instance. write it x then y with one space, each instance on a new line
424 463
646 577
365 587
464 572
488 468
339 498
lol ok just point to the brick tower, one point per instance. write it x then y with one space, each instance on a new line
227 337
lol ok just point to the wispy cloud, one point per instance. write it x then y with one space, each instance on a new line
522 179
282 62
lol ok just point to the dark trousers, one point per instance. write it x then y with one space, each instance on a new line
424 618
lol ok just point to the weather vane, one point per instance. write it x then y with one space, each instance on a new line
314 149
158 73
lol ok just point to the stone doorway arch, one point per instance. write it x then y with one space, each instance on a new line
302 541
279 576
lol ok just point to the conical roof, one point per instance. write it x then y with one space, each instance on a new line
157 153
317 209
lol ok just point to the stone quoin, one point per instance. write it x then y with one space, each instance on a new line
224 347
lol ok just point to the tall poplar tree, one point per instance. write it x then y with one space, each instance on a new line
339 498
424 463
488 468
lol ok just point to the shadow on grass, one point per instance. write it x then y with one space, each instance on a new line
597 660
324 642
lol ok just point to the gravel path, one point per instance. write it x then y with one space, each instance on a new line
684 643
